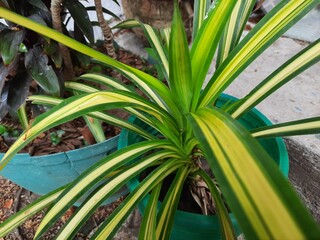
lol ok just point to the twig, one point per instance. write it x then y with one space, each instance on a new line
15 209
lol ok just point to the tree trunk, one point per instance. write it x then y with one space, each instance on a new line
107 33
157 13
56 6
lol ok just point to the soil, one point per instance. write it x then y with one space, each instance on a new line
72 135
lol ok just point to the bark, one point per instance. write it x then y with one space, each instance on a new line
56 7
107 33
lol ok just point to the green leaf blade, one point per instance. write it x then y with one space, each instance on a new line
206 42
80 15
80 105
233 29
271 27
169 205
9 44
149 221
14 221
180 64
294 128
109 188
247 176
294 66
36 62
109 227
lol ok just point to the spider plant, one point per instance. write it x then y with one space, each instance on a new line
182 111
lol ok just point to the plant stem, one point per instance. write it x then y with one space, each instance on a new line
55 8
23 118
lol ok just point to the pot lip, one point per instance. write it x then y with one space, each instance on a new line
283 162
75 151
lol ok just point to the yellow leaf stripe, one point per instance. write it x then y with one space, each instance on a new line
245 178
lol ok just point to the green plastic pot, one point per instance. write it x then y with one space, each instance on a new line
42 174
191 226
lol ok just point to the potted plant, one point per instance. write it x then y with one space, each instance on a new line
28 58
181 123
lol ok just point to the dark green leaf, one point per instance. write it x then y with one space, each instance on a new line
36 62
18 90
10 41
51 48
39 4
4 84
81 18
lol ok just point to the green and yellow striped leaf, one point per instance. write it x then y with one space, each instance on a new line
80 105
109 188
234 28
226 228
156 123
180 65
154 40
271 27
149 220
94 125
14 221
206 42
169 205
294 66
165 34
300 127
105 80
147 83
201 8
22 115
129 23
260 197
52 101
114 221
92 176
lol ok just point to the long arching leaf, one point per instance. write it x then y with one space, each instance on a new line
149 220
147 83
14 221
109 227
92 176
260 197
234 28
169 205
206 42
103 192
180 66
270 28
80 105
294 66
300 127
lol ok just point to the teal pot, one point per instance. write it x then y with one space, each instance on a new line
42 174
191 226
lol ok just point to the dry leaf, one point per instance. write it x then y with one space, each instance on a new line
8 203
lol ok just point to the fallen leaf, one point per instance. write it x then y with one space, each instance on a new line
8 203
